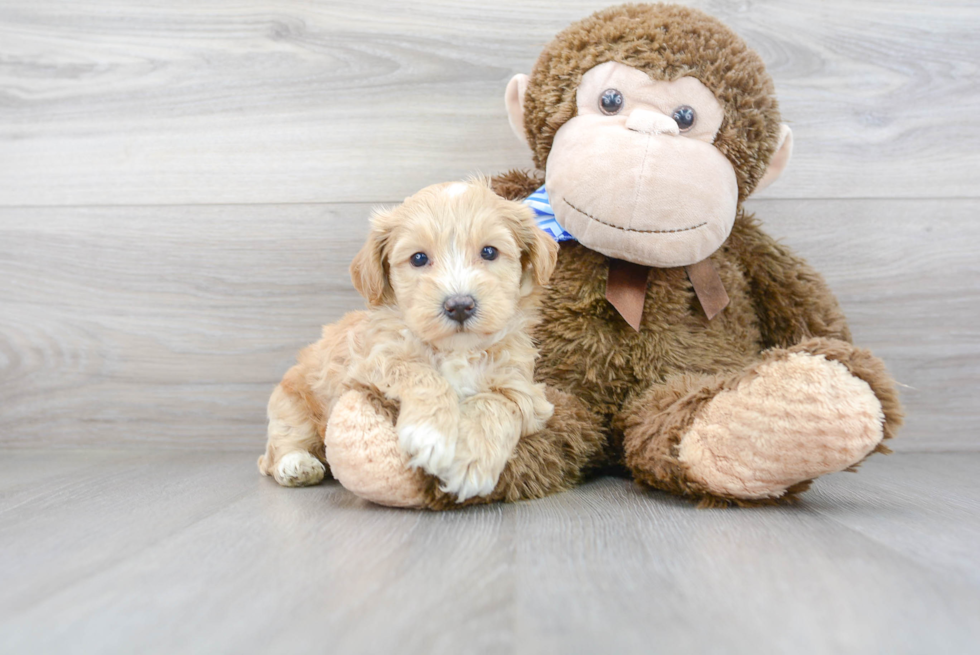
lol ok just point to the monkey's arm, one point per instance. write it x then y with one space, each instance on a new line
792 300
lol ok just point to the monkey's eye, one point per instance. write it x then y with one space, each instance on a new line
611 102
684 116
419 259
489 253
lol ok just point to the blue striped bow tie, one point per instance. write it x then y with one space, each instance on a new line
538 201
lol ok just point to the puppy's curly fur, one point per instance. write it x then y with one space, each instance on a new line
464 388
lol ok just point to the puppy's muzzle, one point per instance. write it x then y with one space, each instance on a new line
459 308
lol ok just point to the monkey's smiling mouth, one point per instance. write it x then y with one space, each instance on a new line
625 229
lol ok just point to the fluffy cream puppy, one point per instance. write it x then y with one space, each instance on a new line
453 278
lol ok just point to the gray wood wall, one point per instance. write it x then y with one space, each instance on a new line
182 186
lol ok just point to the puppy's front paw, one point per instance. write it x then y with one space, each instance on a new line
488 433
298 469
428 448
473 478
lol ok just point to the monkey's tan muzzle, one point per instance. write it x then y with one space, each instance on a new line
644 193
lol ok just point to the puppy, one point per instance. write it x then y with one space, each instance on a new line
453 279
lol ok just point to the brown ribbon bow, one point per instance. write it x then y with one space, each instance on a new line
626 288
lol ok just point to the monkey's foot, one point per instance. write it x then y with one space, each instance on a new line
364 455
787 421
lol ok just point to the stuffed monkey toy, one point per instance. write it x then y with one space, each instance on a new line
680 344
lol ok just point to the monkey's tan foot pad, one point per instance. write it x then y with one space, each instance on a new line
789 420
364 455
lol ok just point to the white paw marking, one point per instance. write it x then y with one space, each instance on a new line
471 481
428 448
299 469
467 478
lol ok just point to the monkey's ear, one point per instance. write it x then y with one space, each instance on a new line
779 161
369 270
514 100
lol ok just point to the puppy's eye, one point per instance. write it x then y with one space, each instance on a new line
489 253
419 259
684 117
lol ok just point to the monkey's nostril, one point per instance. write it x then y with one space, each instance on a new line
459 308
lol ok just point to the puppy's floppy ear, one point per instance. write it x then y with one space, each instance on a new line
369 268
539 252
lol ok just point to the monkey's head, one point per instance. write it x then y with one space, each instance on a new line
652 123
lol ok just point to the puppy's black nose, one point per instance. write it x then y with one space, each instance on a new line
459 308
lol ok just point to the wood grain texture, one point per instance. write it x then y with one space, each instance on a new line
945 484
171 325
166 325
111 102
641 572
169 552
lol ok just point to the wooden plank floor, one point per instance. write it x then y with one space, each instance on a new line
179 552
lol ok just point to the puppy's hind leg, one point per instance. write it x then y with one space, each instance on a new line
294 453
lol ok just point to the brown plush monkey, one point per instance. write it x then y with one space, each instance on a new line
680 343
